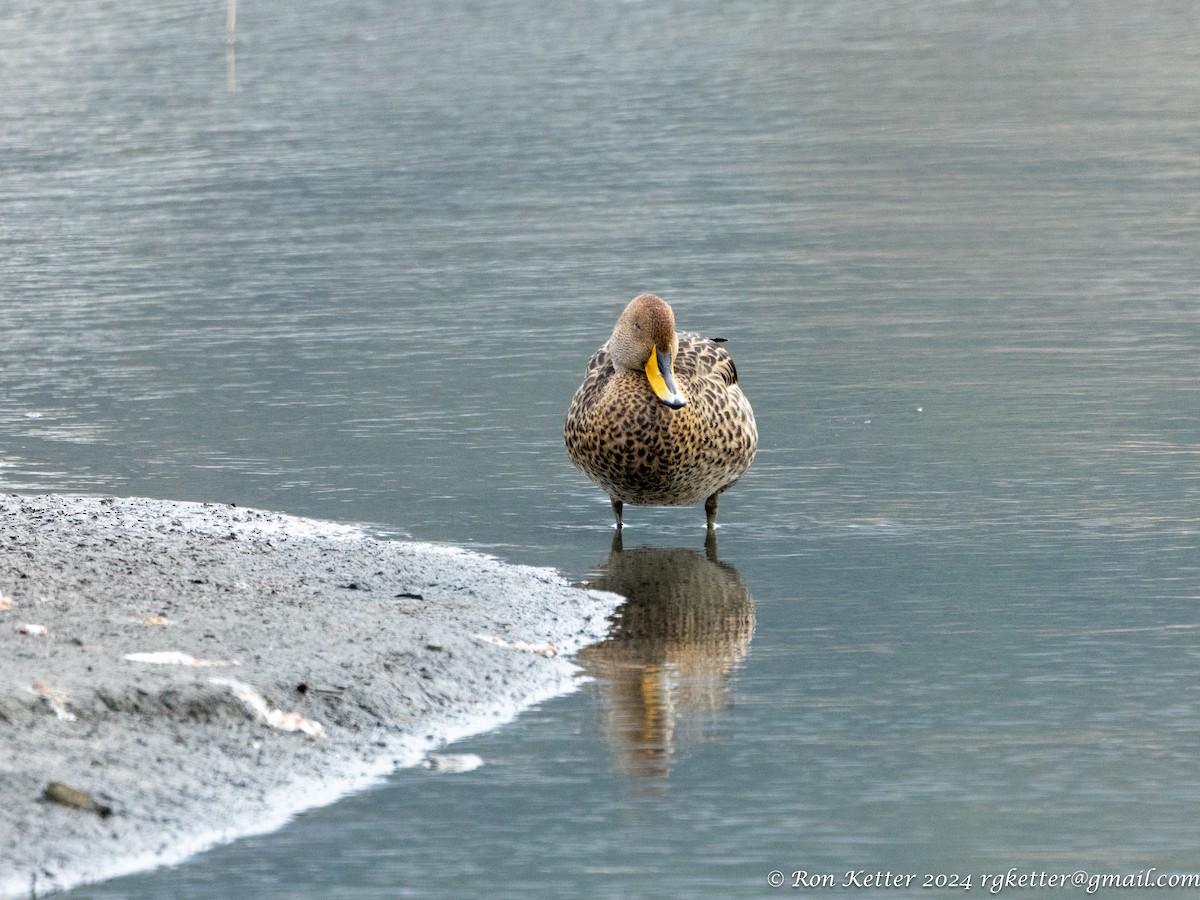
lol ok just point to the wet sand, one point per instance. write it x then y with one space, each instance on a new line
207 671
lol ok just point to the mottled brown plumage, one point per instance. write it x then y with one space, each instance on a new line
678 438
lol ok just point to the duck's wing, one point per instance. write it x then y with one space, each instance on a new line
600 363
600 371
702 356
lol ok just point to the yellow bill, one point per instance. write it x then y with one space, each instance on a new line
662 380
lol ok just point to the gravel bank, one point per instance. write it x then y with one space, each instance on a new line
277 663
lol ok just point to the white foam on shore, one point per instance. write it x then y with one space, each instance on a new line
552 677
281 806
217 519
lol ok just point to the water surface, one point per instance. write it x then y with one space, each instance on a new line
353 266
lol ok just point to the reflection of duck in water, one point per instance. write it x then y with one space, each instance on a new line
659 419
666 664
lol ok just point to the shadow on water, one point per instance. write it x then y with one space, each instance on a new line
664 669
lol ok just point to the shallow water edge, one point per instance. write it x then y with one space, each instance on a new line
208 671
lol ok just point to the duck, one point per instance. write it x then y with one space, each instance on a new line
660 419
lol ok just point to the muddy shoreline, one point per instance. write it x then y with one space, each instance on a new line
207 671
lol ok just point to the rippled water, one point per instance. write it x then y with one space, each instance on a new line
353 265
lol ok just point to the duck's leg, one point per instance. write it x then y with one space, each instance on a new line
710 510
617 506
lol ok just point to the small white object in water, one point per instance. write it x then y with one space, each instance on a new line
175 658
31 629
452 762
33 415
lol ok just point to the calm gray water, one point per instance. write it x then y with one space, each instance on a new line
353 267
